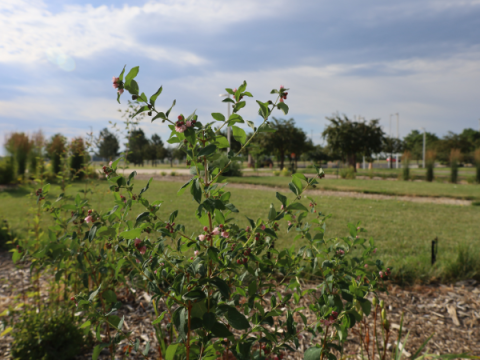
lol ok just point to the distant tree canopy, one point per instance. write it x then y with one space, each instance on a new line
392 146
108 146
56 150
350 139
286 140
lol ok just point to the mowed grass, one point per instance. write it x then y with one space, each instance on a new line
403 231
385 187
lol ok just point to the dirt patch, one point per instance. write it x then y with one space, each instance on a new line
358 195
451 313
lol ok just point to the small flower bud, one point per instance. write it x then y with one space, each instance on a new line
382 304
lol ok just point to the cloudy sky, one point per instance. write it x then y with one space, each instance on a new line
367 58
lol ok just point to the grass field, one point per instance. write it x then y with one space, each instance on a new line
403 231
458 191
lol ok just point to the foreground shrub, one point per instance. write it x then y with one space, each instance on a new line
48 335
228 291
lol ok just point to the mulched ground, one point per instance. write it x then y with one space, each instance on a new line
451 313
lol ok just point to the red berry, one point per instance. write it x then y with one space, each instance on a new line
180 117
245 260
205 228
72 298
239 261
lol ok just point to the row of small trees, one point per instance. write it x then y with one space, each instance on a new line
28 154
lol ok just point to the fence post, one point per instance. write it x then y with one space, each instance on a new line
434 250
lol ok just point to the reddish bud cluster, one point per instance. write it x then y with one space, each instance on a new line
170 227
106 170
39 193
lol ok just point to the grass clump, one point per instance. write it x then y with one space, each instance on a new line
48 336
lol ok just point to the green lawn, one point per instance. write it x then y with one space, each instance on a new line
403 231
434 189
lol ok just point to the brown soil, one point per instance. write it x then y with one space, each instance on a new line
450 313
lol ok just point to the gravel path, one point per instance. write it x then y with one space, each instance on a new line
353 194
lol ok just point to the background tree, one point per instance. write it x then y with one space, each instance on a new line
154 149
392 146
77 158
136 147
413 142
18 145
36 157
108 145
300 144
349 139
282 141
56 149
318 154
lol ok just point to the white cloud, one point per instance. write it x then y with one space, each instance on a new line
28 29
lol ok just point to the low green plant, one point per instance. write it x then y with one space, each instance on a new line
430 164
7 171
465 265
163 173
455 158
406 157
276 173
48 335
285 172
173 173
348 173
477 165
7 236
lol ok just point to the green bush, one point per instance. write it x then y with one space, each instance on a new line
235 168
285 172
465 265
48 336
6 235
276 173
348 173
7 171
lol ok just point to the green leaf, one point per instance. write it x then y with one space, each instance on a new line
195 294
196 191
239 105
97 350
266 128
120 77
236 319
242 87
208 320
6 331
184 187
160 115
171 107
131 234
153 98
132 87
171 351
252 288
91 234
298 183
142 217
366 306
131 75
235 118
94 294
207 150
312 353
222 286
190 135
251 124
293 188
110 296
220 330
239 134
284 107
272 214
218 116
222 142
282 198
263 109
